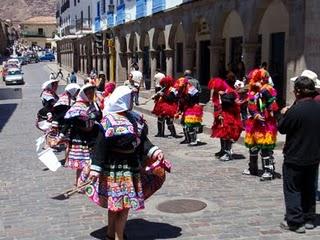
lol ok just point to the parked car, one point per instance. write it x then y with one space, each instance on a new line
6 67
33 58
23 60
47 57
14 61
14 76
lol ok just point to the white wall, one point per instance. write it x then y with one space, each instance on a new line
130 10
173 3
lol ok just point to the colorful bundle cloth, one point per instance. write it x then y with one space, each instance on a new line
192 111
166 105
261 127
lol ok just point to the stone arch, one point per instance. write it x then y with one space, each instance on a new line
274 31
233 38
133 42
157 36
252 25
123 44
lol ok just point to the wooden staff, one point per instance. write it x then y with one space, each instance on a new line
153 96
74 190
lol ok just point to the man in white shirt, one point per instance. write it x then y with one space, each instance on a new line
157 78
137 78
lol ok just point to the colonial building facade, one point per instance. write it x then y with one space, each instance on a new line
206 36
39 31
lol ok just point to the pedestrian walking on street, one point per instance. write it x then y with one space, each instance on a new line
227 122
81 129
73 77
261 126
301 123
117 158
59 74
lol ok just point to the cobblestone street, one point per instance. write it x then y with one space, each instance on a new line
238 207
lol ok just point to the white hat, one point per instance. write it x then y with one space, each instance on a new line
238 84
48 83
82 96
311 75
120 100
72 88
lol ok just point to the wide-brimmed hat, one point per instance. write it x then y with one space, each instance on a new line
48 83
309 74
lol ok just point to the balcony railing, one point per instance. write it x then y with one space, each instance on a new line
33 34
83 25
97 24
121 14
65 6
141 8
158 5
69 30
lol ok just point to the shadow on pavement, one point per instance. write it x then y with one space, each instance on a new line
143 230
6 110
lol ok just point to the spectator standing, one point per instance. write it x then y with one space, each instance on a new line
137 78
194 82
157 78
301 156
131 84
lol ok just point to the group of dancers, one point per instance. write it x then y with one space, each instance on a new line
107 146
255 101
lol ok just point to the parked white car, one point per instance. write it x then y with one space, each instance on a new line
14 61
14 76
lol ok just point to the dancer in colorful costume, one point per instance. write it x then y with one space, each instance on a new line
227 122
166 106
261 126
119 153
108 90
190 109
82 129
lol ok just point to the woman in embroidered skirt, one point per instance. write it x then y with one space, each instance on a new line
82 129
227 122
261 126
48 98
118 154
66 99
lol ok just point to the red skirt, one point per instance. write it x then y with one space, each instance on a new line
228 128
165 109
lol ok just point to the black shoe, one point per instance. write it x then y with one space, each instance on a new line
219 154
175 136
297 229
159 135
184 142
309 225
